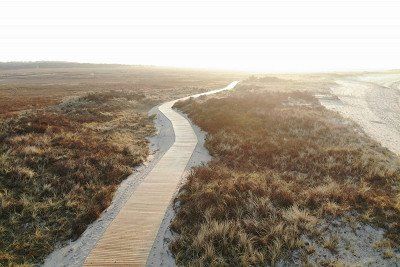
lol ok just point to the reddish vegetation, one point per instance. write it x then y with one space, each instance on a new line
282 164
41 84
60 167
10 106
63 150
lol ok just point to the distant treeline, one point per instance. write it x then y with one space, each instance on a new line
51 64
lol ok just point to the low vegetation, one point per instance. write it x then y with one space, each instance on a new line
34 85
60 166
63 150
282 165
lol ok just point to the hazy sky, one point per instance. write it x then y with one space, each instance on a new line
251 35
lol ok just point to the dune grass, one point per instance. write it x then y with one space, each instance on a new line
282 164
60 166
69 134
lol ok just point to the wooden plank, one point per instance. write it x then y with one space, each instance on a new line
129 238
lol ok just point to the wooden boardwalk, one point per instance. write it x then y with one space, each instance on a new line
129 238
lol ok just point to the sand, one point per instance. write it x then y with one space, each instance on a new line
372 101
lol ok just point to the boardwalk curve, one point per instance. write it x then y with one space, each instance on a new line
128 239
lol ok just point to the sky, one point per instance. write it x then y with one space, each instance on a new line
276 36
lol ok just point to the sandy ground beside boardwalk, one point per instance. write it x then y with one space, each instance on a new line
75 252
372 101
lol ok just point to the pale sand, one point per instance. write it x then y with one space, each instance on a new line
372 101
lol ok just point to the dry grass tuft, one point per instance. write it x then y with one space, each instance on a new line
60 166
281 164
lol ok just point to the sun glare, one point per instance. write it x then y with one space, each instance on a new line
244 35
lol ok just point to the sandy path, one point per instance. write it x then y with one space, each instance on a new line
372 101
130 236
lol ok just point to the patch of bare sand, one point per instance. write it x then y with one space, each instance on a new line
372 101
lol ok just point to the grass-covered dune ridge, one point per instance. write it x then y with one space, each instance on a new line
69 134
60 166
282 165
